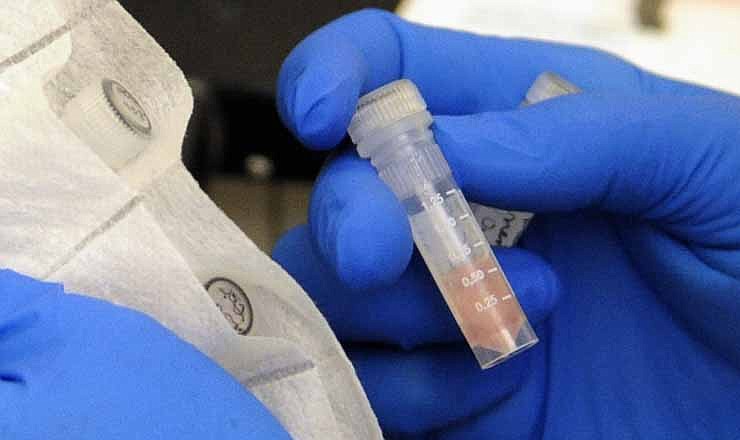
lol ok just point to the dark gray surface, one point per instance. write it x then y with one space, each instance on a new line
237 43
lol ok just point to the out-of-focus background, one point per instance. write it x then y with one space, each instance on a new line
231 51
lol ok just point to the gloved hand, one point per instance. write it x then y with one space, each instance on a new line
73 367
634 254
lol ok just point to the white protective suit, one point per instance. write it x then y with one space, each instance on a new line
93 194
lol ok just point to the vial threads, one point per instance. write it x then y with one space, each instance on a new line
109 118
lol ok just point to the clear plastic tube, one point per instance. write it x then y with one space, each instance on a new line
392 128
504 228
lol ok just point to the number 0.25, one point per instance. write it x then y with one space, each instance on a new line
486 304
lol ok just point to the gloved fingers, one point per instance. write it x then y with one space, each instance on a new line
429 389
20 297
17 290
667 159
411 312
360 228
321 80
323 77
706 301
409 309
520 416
63 354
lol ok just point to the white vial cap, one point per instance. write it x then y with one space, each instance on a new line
383 107
108 118
549 85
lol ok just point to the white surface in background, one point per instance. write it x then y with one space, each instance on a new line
701 42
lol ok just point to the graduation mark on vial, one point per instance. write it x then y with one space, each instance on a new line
233 303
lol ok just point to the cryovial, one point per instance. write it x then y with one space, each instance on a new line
504 228
547 86
391 127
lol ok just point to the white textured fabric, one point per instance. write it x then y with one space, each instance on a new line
146 236
280 307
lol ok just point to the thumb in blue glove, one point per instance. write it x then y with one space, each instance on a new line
72 367
634 181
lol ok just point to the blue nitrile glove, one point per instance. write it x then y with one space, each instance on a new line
636 185
72 367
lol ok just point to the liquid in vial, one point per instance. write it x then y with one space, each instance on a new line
467 273
391 127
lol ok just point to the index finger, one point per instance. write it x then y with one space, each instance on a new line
457 72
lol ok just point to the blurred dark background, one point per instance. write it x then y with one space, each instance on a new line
231 51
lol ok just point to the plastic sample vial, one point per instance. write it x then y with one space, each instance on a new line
111 120
547 86
391 127
504 228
